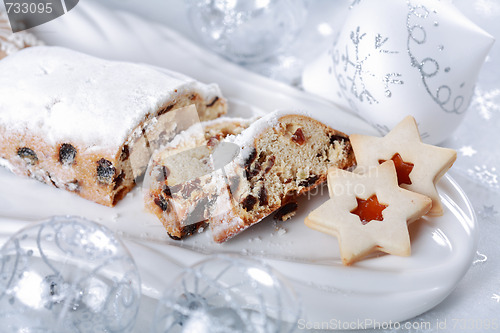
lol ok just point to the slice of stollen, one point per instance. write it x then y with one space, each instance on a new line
259 171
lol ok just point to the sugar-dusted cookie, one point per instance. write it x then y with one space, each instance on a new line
368 212
419 165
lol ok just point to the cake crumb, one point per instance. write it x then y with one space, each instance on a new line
280 231
255 239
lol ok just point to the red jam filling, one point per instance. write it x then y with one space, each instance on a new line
369 209
403 169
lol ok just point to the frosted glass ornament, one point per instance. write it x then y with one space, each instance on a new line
247 31
228 294
397 58
67 275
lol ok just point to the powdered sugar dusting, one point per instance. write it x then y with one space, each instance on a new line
6 164
71 96
245 140
226 221
195 131
11 42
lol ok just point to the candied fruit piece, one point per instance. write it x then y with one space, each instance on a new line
213 101
249 202
105 171
270 163
337 138
162 203
263 199
162 173
67 154
286 212
125 154
298 137
309 181
28 155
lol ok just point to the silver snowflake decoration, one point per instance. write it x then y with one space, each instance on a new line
485 175
488 212
486 102
467 151
352 72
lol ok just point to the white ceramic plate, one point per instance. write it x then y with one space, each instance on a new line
381 288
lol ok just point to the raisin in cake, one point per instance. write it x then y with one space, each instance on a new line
11 42
179 183
278 158
87 125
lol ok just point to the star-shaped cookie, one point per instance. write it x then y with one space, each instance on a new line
387 207
419 165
